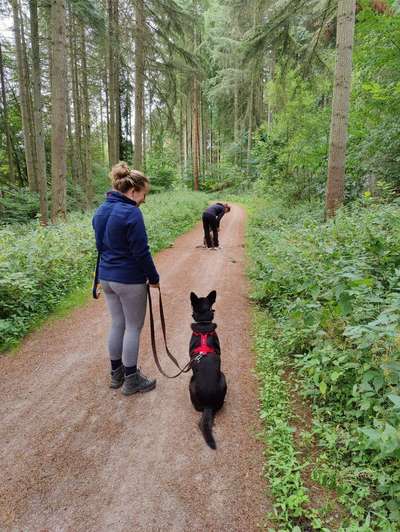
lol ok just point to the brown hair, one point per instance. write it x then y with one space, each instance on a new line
227 207
123 179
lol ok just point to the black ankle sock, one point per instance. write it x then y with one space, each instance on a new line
115 364
129 370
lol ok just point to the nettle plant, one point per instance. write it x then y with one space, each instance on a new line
378 390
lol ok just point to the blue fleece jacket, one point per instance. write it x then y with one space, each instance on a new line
121 240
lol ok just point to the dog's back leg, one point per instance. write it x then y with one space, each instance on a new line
222 387
193 396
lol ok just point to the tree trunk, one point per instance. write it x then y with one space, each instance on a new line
58 109
340 106
185 137
144 126
211 138
108 117
188 142
150 121
181 133
196 135
37 114
18 164
77 165
71 161
102 124
139 81
10 158
31 120
236 119
250 129
113 81
24 97
203 137
87 156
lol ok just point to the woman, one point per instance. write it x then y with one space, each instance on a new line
125 267
211 220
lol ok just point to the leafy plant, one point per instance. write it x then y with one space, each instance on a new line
332 290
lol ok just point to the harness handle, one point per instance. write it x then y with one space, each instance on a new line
187 367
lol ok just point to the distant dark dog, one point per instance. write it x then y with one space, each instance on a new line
208 385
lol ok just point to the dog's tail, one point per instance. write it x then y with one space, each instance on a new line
205 424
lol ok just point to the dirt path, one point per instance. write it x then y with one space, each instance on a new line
75 455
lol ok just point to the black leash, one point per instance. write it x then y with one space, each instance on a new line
188 366
96 283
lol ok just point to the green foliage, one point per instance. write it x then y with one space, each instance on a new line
39 267
225 176
293 152
374 147
333 291
283 469
18 205
161 167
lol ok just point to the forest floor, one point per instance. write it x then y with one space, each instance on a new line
76 455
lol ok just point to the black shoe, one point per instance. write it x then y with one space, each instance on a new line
117 377
137 383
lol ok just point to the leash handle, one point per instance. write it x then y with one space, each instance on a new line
186 368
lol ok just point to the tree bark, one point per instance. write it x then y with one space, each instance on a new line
71 161
77 163
113 81
58 109
102 123
37 114
11 168
144 127
87 156
181 133
236 119
203 136
139 82
340 106
196 135
250 128
24 97
31 121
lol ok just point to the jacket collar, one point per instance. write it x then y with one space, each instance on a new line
113 196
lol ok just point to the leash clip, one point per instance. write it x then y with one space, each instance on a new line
198 357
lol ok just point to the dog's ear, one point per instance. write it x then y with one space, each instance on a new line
212 296
193 298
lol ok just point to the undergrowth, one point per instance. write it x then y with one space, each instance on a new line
332 292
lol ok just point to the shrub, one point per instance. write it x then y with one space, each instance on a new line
333 289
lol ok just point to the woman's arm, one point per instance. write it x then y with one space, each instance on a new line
138 244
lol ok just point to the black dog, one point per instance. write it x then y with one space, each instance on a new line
208 385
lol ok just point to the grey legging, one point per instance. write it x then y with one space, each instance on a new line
127 305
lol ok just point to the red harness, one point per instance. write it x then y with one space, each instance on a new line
203 348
